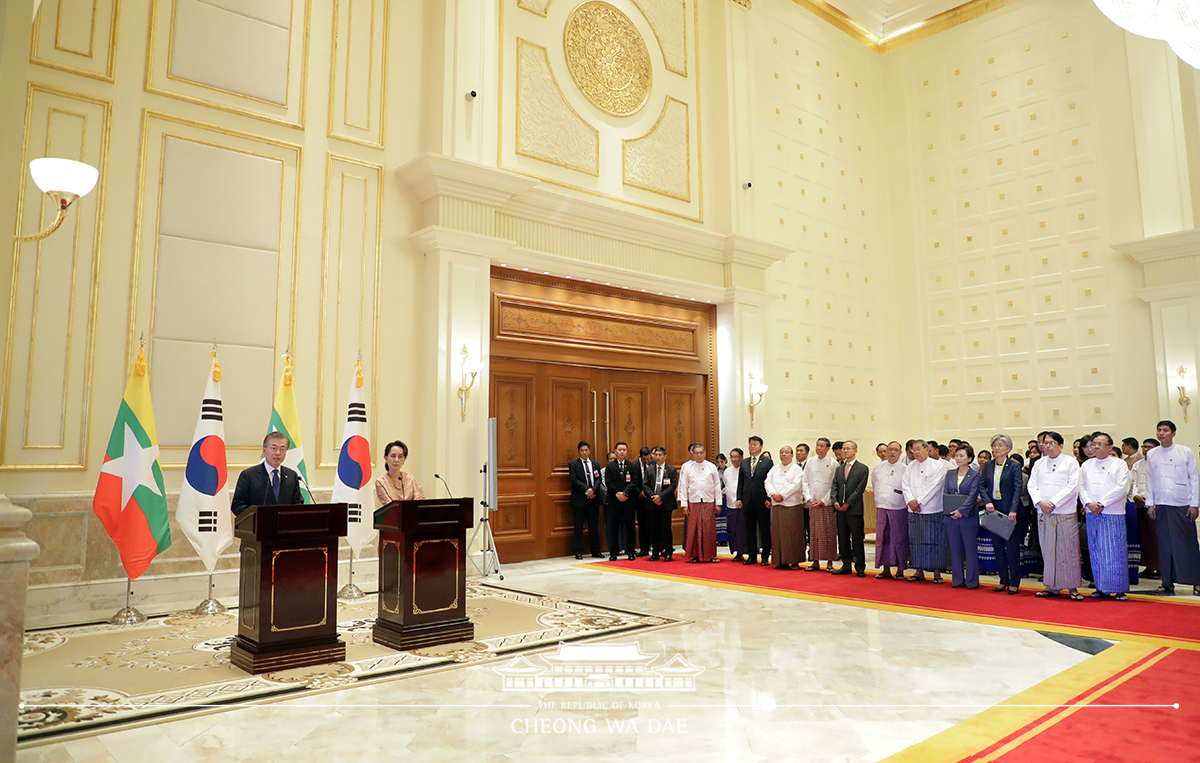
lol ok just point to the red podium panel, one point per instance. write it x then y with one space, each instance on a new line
422 573
288 612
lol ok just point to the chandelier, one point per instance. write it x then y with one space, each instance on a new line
1176 21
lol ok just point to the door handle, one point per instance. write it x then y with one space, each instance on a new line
594 430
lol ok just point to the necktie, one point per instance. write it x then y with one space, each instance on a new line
753 463
847 474
658 479
587 467
275 483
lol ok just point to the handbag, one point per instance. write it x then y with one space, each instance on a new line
997 524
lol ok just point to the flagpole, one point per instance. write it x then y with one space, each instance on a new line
209 606
129 615
350 591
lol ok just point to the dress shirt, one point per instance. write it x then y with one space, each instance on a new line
1173 480
1138 478
818 478
887 480
699 482
788 481
924 482
1055 480
1105 481
994 488
731 485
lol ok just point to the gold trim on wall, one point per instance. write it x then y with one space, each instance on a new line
139 227
91 46
545 11
286 108
687 126
939 23
331 129
595 171
619 85
32 91
369 256
658 38
110 65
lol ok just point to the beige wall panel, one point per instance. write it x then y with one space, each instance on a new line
226 210
547 127
229 51
349 298
77 36
233 288
177 385
358 71
50 341
211 193
248 60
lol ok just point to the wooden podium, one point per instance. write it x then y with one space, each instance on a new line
422 573
288 612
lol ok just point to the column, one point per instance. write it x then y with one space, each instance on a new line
16 551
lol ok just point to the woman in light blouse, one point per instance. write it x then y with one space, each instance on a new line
393 484
963 526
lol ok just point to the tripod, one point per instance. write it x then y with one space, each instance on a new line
491 558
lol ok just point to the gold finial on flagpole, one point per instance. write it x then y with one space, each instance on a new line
215 363
287 367
139 365
358 371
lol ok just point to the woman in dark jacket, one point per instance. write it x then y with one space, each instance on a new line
1001 491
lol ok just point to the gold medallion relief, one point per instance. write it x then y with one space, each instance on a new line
607 58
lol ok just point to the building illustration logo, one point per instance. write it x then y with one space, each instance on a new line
599 667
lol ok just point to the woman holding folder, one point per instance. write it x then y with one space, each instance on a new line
1001 492
962 518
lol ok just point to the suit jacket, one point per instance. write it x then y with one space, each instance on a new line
970 486
1011 482
670 482
850 490
254 488
579 486
647 474
631 487
752 487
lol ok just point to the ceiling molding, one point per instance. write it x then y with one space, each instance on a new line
866 24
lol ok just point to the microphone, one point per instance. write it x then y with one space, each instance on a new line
438 476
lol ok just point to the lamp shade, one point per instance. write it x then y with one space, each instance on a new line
1140 17
759 389
64 176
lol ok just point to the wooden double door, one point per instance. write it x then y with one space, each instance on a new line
543 410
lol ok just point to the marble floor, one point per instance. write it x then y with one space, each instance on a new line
783 679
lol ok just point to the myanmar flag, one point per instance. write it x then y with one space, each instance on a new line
286 419
130 499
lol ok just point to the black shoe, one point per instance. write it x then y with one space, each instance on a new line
597 555
643 553
861 574
654 557
1013 591
1000 589
841 571
667 558
632 557
764 563
750 561
578 556
612 557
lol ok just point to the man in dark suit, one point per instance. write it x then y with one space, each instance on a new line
849 483
585 499
660 489
269 482
624 480
754 501
643 514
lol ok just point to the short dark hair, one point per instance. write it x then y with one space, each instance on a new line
1105 435
1052 435
645 451
276 435
583 444
395 444
823 440
987 453
934 443
658 449
620 442
755 437
908 444
1165 423
1016 457
804 445
838 445
967 447
1152 441
943 451
739 451
881 445
1131 442
722 457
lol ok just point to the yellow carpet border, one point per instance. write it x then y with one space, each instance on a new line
984 729
927 612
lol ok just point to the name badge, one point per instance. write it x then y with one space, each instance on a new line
628 477
898 492
596 474
666 482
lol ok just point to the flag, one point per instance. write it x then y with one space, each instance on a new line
351 484
285 419
203 512
130 500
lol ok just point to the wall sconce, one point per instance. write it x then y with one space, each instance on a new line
64 181
471 368
756 395
1184 400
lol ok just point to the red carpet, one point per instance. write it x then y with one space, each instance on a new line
1167 622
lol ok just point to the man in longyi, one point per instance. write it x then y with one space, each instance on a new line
785 486
1172 498
1053 488
891 521
822 526
924 481
1103 488
700 493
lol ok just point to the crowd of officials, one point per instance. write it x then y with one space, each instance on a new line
1095 514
